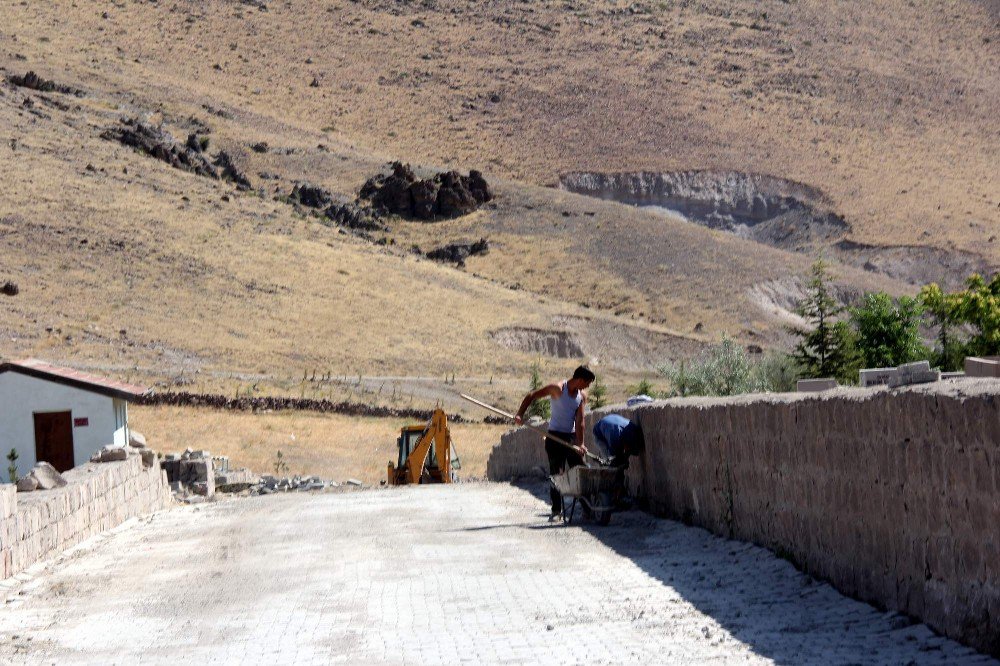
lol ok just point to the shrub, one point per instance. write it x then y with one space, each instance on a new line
888 331
727 369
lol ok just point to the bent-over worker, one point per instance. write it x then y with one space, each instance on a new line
618 439
568 402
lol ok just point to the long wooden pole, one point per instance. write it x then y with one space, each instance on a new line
529 426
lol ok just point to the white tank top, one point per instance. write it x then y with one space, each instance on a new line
564 410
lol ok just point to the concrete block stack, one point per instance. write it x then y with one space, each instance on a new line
191 470
914 373
815 385
987 366
96 497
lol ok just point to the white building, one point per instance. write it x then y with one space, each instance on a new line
59 415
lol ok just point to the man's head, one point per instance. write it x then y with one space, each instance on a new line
582 378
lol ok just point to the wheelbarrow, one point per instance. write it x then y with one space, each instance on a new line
593 487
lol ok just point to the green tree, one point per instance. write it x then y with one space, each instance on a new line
826 348
946 315
979 306
888 331
597 397
539 408
644 387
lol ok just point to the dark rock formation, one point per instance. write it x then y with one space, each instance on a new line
355 217
158 143
229 171
446 195
34 82
457 253
9 289
312 196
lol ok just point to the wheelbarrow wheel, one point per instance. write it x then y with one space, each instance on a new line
603 515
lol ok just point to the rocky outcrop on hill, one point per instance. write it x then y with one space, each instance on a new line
354 217
160 144
188 156
311 196
346 214
34 82
229 171
446 195
457 253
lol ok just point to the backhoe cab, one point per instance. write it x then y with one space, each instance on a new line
426 453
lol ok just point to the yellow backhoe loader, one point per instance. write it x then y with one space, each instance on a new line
426 453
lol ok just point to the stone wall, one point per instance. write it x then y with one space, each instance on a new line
891 495
520 454
99 496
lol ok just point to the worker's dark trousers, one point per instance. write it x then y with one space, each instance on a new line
560 457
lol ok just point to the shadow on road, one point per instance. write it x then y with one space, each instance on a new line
762 601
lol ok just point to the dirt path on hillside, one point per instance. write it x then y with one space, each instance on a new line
471 573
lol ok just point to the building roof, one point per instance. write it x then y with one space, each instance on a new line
70 377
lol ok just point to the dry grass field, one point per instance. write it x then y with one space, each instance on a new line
327 445
132 268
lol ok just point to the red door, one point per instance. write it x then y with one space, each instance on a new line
54 439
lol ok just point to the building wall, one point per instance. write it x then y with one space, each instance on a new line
99 496
891 495
21 396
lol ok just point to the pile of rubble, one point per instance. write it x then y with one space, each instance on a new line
273 484
136 447
196 476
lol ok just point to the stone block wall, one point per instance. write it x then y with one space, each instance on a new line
520 453
891 495
99 496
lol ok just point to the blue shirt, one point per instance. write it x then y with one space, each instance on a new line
618 434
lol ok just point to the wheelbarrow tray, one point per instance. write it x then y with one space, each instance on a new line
583 481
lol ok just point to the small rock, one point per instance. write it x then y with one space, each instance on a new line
9 289
47 476
110 453
136 439
26 484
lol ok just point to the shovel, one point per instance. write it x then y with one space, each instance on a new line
541 431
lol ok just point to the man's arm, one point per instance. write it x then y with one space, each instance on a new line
579 423
550 391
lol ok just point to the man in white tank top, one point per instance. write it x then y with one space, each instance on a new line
568 404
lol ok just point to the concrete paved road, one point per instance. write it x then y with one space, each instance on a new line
462 574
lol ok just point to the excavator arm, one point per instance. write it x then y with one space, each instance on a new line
438 434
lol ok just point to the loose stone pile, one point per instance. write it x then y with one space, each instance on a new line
197 475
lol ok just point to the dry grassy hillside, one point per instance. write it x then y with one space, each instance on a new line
129 265
889 107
